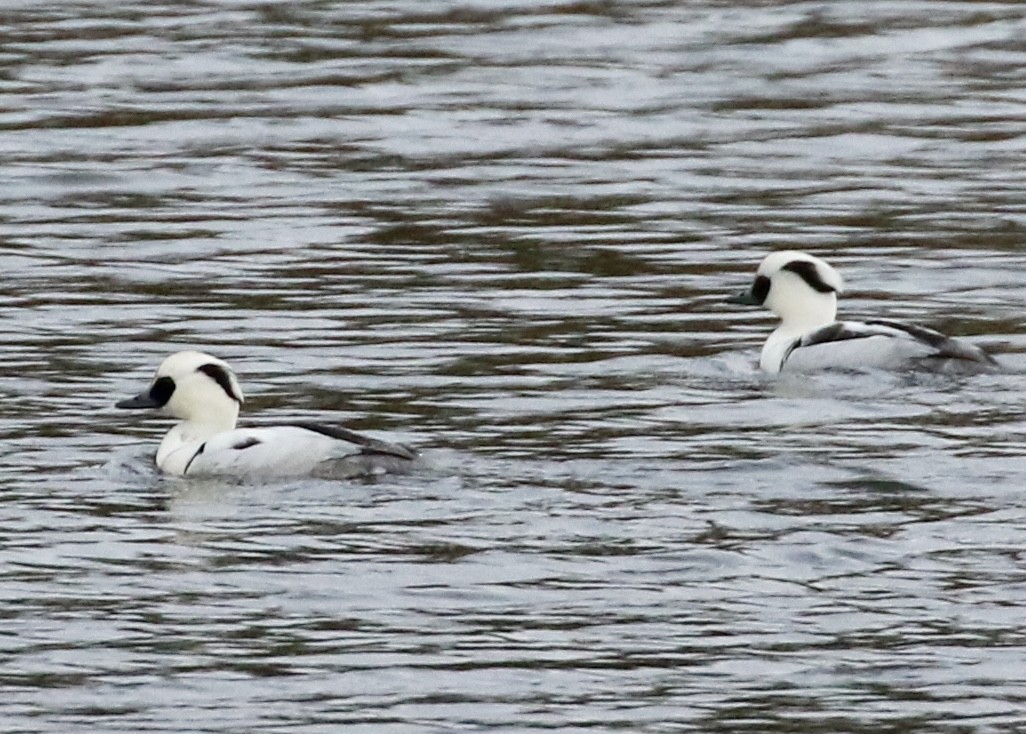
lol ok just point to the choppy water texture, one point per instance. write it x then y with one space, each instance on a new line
503 231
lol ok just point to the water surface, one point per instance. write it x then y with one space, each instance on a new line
504 232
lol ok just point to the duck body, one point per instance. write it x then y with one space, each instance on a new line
877 344
202 391
802 290
277 452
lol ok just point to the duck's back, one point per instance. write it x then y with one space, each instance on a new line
882 344
296 450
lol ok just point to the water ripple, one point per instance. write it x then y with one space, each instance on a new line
503 232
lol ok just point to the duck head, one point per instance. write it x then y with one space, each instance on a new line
194 387
799 288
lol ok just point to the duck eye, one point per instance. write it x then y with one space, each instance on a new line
161 391
760 289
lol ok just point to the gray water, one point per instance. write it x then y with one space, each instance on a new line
503 232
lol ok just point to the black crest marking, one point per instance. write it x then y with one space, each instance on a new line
245 443
367 444
220 375
808 272
161 391
760 289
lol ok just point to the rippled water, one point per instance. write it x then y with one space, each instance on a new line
503 232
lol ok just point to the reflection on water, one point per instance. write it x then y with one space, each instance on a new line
503 232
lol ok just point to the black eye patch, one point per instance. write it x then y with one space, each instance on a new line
760 289
810 274
220 375
161 391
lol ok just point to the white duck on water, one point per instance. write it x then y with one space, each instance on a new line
202 391
802 290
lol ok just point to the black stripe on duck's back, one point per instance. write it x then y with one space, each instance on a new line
840 331
246 443
835 332
947 347
368 445
192 458
943 347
